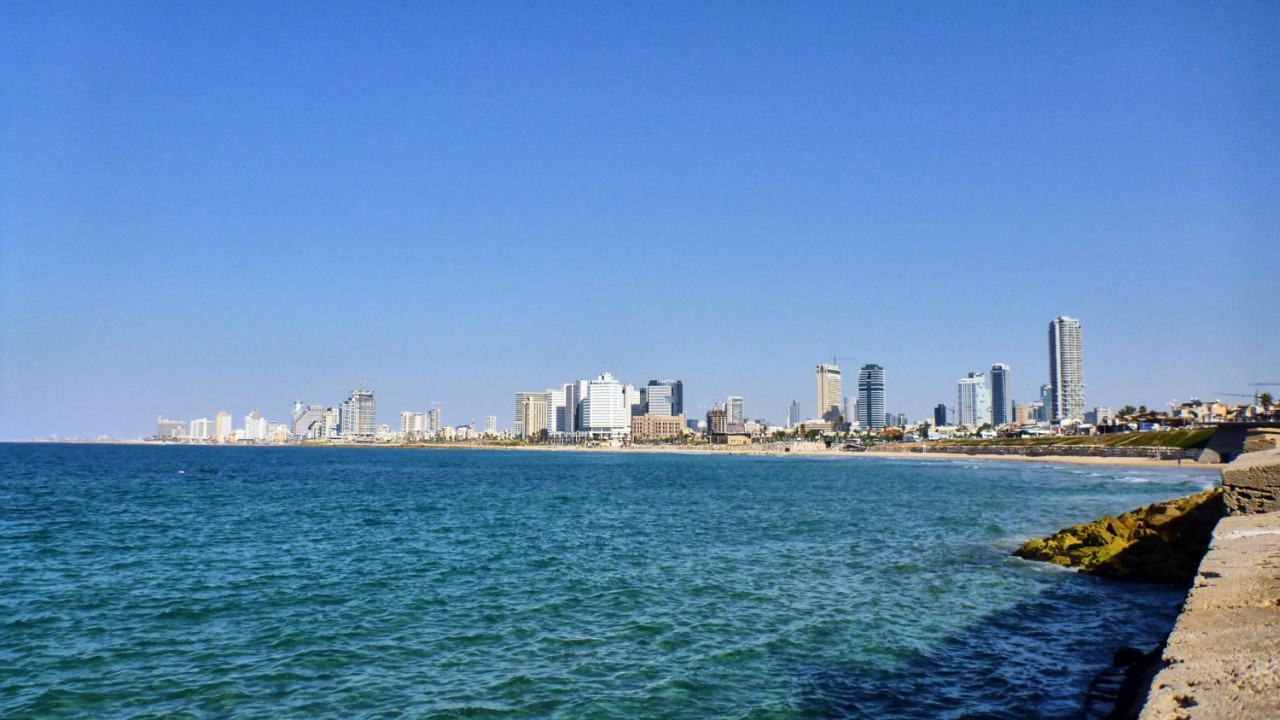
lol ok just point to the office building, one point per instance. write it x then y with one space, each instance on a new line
556 414
677 394
255 427
973 401
1100 416
871 397
491 425
170 428
1000 404
1021 413
940 415
1045 413
793 414
1066 370
828 377
631 400
433 420
656 400
521 407
737 413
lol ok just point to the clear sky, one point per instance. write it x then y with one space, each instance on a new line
225 206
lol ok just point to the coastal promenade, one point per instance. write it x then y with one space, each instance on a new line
1222 660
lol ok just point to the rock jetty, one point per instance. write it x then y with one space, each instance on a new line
1161 543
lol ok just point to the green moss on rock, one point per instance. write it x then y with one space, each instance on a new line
1163 542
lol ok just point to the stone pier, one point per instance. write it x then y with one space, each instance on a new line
1222 661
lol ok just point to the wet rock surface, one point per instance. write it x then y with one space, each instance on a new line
1162 543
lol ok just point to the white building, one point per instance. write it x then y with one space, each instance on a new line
973 401
222 427
413 424
255 427
604 410
1066 370
656 400
631 399
201 429
491 425
736 409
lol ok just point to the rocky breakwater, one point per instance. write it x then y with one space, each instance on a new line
1163 542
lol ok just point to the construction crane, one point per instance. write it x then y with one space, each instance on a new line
835 359
359 403
1254 396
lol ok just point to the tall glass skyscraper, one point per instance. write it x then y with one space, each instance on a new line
1001 408
1066 370
871 397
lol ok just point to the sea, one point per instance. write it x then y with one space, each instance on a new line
299 582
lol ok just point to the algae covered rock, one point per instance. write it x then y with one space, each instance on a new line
1162 543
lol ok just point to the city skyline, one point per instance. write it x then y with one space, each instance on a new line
460 203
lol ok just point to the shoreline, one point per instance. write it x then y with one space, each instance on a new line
714 450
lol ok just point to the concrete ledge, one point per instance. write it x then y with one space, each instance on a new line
1223 657
1251 483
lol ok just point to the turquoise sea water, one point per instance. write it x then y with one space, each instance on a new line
343 583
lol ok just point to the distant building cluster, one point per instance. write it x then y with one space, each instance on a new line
602 409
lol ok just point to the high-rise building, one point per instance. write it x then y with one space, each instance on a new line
828 377
1066 370
433 420
631 400
357 415
491 425
793 414
895 420
1000 405
255 427
973 401
677 394
656 400
736 410
304 418
604 413
222 426
170 428
202 429
413 423
1046 403
531 415
940 415
871 397
1021 413
556 411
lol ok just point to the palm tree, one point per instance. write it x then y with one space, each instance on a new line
1266 401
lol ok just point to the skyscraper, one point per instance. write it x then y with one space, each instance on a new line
1000 406
828 393
358 414
656 399
940 415
973 401
222 426
736 410
871 397
1066 370
531 417
490 425
793 414
1046 403
677 394
433 420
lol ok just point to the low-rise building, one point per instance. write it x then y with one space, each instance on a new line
650 427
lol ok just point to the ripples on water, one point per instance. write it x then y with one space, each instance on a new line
297 582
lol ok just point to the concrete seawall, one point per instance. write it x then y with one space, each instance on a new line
1222 660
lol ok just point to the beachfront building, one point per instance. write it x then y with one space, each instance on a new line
1066 370
793 414
605 413
973 401
828 377
1021 413
356 416
306 418
1000 404
222 426
433 420
255 427
532 415
940 415
413 424
170 428
871 398
651 428
491 425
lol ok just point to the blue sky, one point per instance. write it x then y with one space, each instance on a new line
211 207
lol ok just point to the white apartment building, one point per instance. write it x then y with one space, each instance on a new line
973 401
1066 370
829 392
413 423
